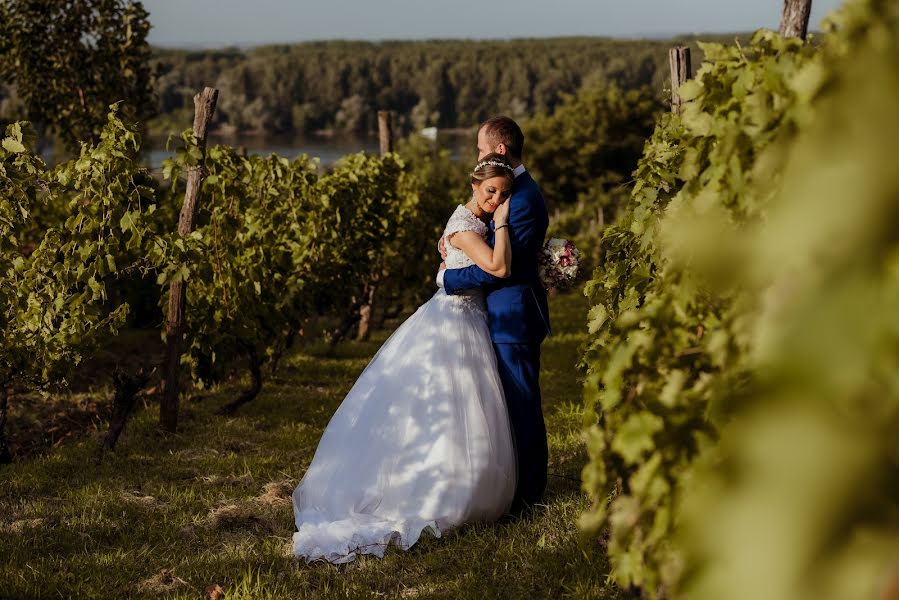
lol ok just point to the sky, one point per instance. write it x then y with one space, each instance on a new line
218 23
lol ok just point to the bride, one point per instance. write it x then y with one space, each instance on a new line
422 440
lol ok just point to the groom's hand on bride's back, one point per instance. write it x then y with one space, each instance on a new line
441 246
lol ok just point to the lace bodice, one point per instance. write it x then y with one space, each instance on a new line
461 220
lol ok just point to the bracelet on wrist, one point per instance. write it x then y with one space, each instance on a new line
498 227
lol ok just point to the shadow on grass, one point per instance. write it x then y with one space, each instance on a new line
174 514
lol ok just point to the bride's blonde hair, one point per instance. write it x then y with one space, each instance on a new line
492 165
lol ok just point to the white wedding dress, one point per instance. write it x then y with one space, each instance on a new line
422 440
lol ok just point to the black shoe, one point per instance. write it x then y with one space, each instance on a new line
520 509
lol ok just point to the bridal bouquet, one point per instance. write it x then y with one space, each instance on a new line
558 263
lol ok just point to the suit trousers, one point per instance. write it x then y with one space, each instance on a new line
519 372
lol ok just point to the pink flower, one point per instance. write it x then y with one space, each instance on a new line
558 263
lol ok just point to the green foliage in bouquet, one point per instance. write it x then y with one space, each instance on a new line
708 317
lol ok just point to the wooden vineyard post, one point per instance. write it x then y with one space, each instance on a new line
368 304
204 104
385 131
794 19
5 454
681 72
385 137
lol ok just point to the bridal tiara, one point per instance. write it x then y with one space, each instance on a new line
493 163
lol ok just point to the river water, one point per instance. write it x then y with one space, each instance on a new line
327 148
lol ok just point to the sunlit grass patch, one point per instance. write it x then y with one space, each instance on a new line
170 515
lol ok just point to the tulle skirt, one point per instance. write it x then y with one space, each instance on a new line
421 442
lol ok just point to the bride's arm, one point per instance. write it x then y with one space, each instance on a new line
497 260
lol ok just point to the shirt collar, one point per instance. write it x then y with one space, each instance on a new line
518 171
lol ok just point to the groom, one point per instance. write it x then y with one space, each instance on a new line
517 311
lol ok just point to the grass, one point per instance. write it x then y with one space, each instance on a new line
170 515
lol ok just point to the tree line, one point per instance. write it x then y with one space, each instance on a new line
60 69
340 85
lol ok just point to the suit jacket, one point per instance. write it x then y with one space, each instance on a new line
517 311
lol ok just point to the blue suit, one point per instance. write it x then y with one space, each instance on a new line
518 318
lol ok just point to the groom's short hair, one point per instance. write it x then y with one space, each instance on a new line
503 130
